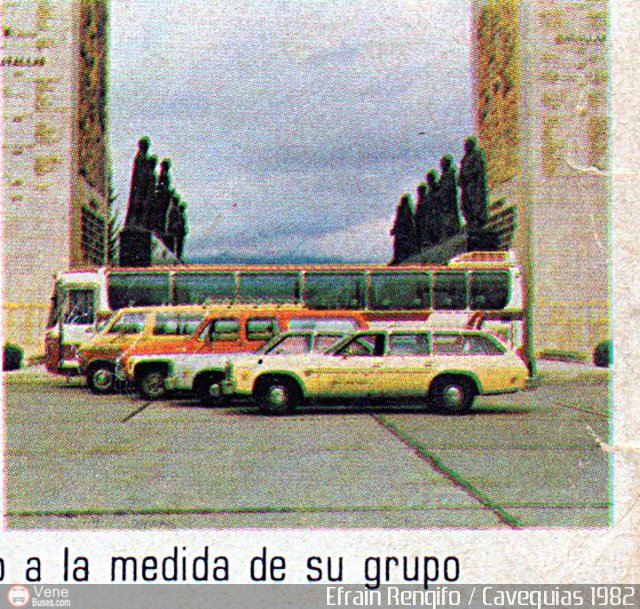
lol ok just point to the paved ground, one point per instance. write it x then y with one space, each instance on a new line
76 460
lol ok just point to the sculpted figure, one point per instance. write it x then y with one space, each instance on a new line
448 207
137 191
405 243
149 188
422 211
181 229
473 182
162 198
433 222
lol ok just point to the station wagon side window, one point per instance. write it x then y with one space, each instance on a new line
227 328
324 341
291 345
363 345
409 344
129 323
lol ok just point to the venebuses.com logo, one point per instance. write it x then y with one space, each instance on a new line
18 596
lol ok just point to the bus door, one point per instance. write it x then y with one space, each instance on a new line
76 317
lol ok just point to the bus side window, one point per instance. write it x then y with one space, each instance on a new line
269 287
335 290
138 289
489 290
450 290
400 291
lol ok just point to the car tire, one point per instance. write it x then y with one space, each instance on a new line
451 395
151 385
203 392
101 379
277 396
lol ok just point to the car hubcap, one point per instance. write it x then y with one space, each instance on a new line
103 379
214 391
453 396
277 396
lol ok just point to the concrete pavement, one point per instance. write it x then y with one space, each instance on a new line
76 460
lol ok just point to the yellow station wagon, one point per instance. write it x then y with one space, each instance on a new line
446 368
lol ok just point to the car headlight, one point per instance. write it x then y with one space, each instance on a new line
228 369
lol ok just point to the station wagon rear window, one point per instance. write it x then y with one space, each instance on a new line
462 344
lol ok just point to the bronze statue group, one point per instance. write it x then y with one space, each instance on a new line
153 204
437 216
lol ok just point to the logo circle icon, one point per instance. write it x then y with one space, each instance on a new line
18 596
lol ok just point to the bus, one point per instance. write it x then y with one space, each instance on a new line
475 289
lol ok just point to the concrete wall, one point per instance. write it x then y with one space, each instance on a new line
43 192
560 180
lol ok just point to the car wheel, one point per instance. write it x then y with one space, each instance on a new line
102 378
151 385
277 396
208 392
451 395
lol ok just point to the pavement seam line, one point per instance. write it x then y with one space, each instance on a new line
135 412
450 474
79 513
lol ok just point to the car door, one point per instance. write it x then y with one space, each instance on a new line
407 368
351 371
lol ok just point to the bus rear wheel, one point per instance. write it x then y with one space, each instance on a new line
101 378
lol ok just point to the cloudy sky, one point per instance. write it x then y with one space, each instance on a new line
292 125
